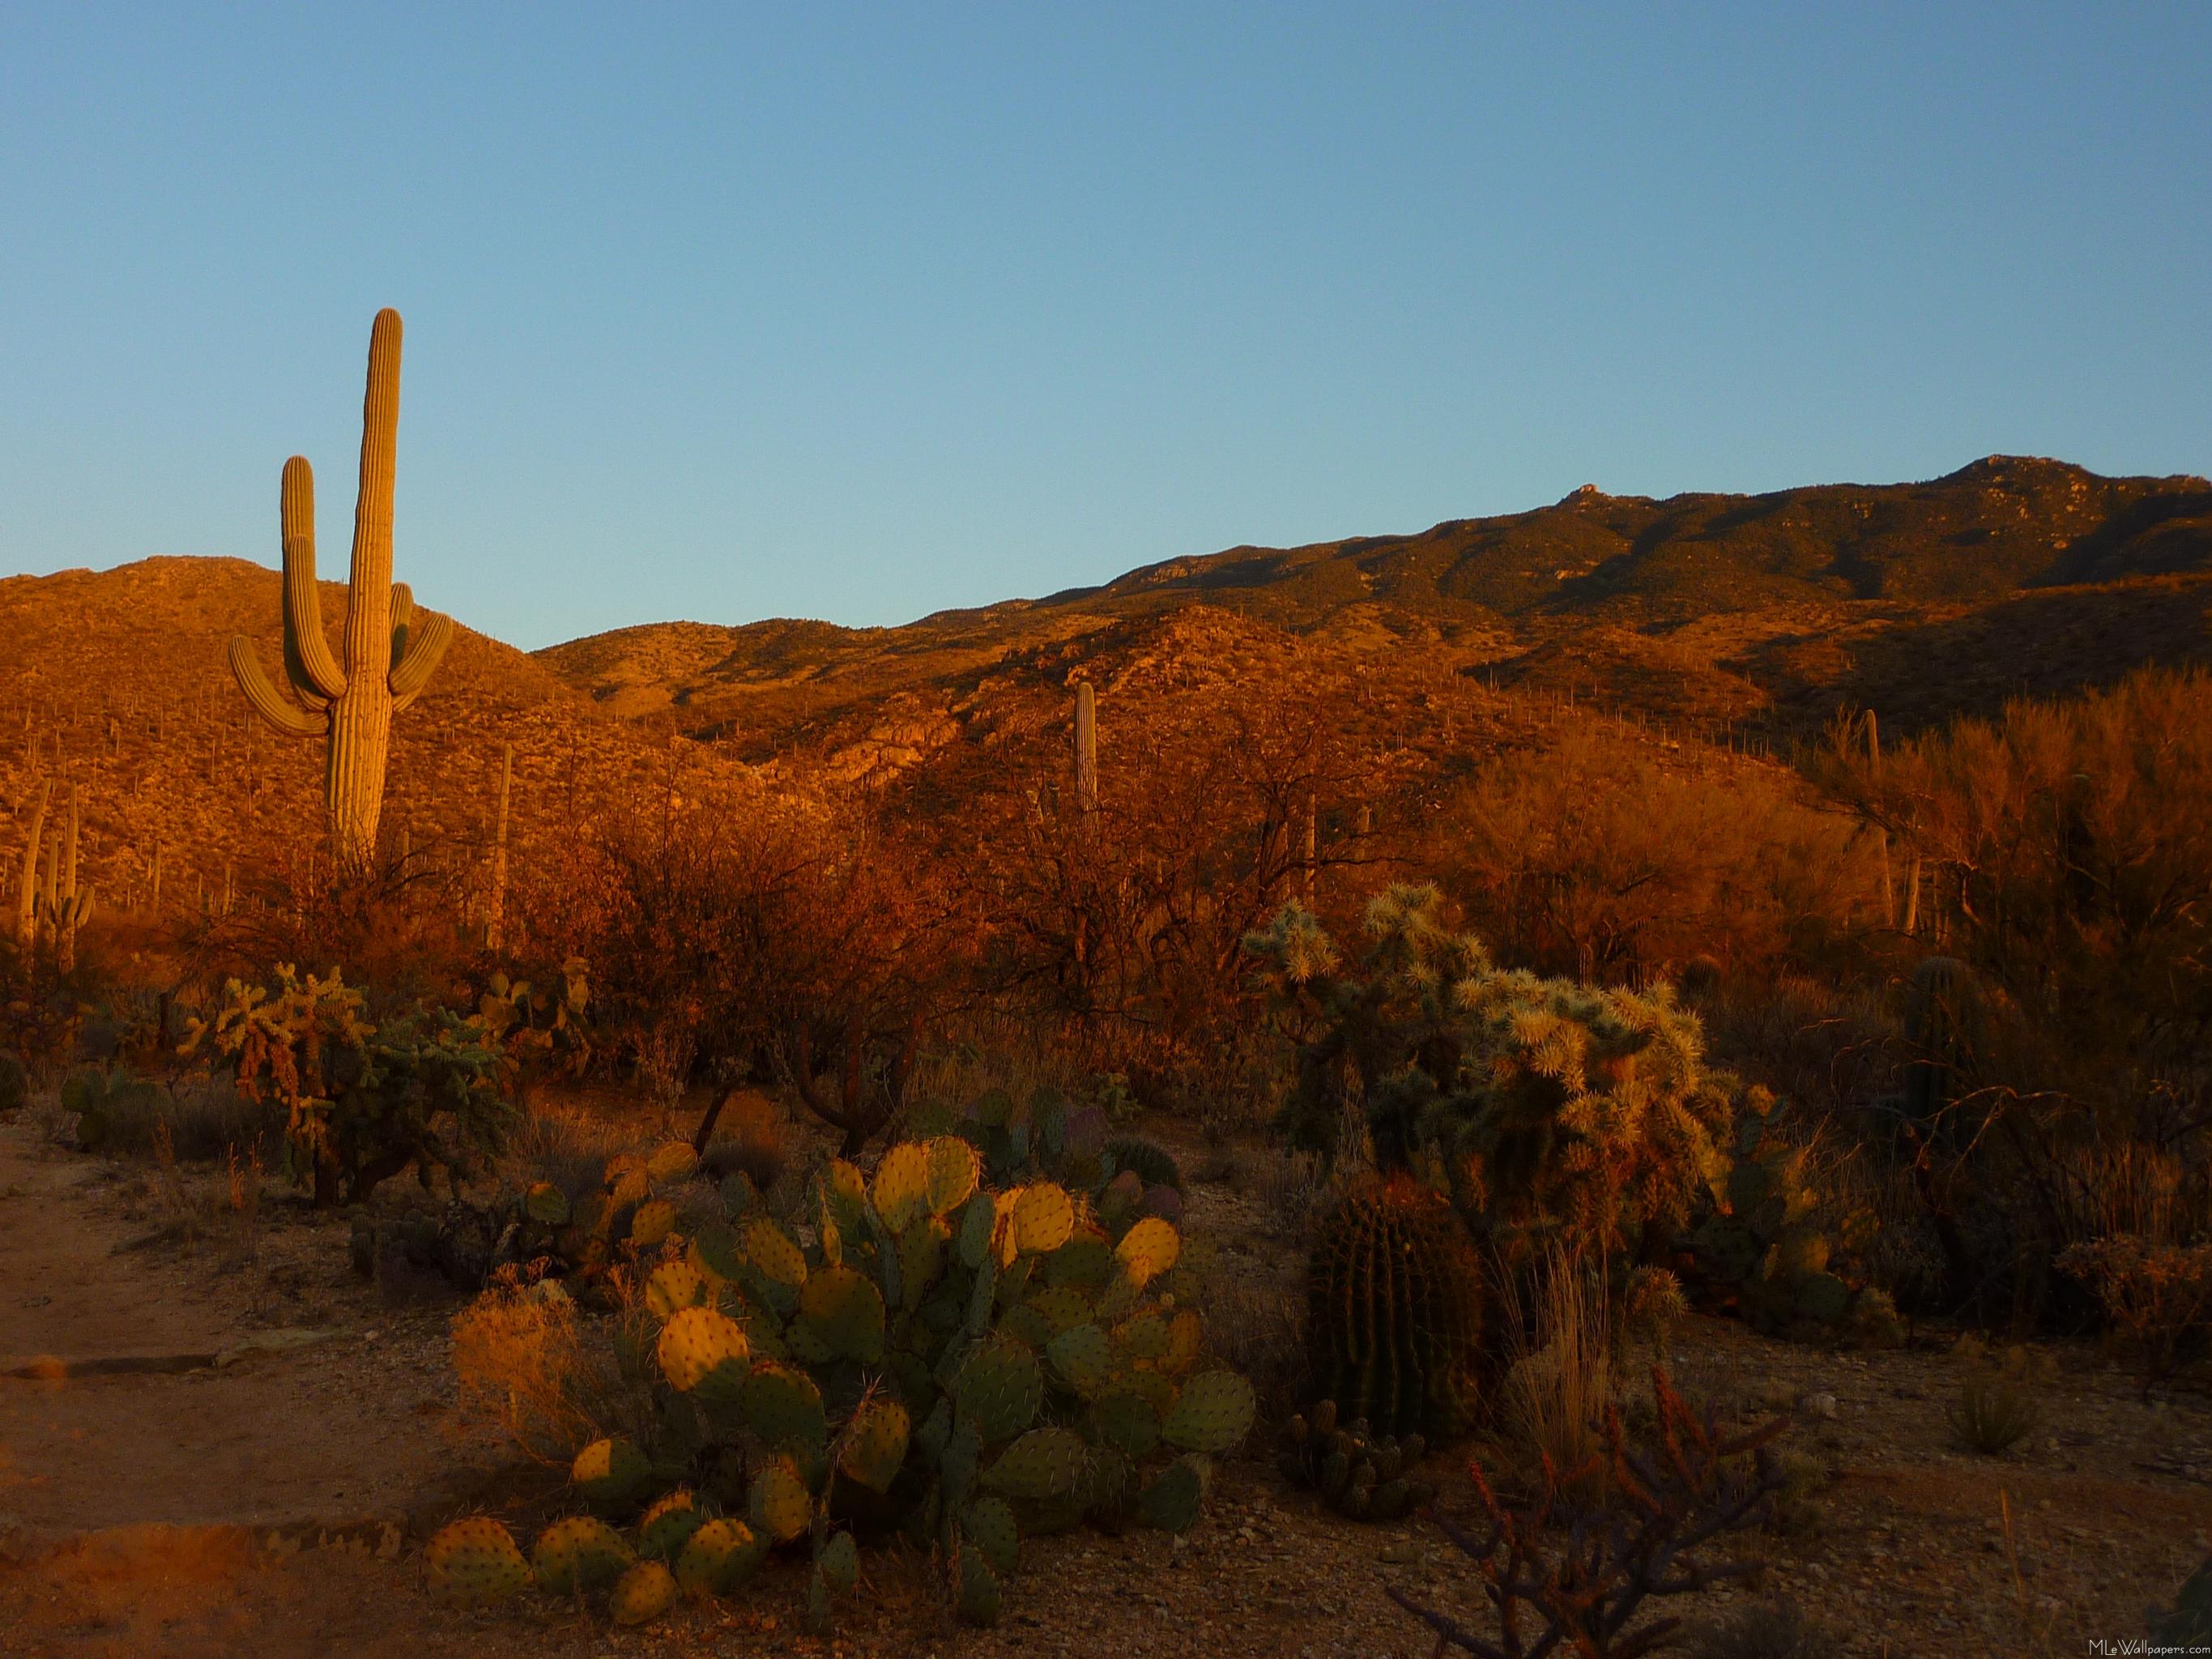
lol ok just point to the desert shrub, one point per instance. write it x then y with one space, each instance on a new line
2158 1295
15 1085
196 1121
1593 857
1665 1495
361 1101
2060 859
794 941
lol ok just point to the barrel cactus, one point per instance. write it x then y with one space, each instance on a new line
1394 1309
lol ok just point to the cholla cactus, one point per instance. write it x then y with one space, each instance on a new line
389 652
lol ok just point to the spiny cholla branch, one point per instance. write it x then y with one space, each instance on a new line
1662 1501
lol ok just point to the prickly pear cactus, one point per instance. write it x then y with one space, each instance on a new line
642 1594
1394 1309
579 1555
475 1563
977 1364
1766 1245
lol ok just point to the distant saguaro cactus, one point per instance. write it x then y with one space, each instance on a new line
389 655
27 895
1087 746
497 922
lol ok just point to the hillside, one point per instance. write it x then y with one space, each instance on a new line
1925 600
1748 620
116 681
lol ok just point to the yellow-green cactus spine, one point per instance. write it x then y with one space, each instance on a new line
389 654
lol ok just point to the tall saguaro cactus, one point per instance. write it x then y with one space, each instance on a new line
389 651
1087 746
27 895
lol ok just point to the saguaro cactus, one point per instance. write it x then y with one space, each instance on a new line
496 925
389 651
27 895
1087 746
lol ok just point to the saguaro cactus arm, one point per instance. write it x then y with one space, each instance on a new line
308 660
415 652
268 701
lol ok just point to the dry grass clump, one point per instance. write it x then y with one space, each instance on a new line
529 1377
749 1138
1561 1377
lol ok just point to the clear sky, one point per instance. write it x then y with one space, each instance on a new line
720 312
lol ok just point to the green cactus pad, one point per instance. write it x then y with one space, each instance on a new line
654 1221
922 1249
628 1189
642 1594
1821 1297
846 1309
777 1265
954 1172
874 1443
845 1191
1025 1323
1144 1337
901 1188
989 1524
1213 1414
1084 1263
1172 1500
1044 1218
668 1525
474 1563
674 1161
1062 1306
580 1554
1148 1249
712 1254
783 1405
999 1389
979 1589
719 1557
961 1462
840 1563
608 1475
704 1352
674 1286
1798 1251
1083 1358
778 1503
1043 1463
1111 1487
741 1198
543 1202
978 1223
1125 1419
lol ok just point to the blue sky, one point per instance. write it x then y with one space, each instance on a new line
720 312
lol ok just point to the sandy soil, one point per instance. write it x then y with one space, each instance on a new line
272 1505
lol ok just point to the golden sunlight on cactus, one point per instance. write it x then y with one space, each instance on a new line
389 657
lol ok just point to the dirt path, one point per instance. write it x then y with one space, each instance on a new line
140 1384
